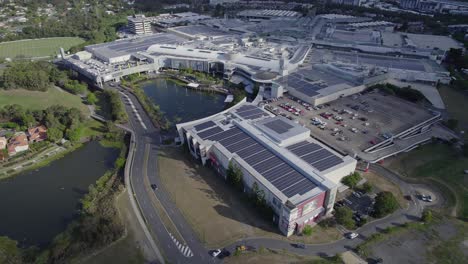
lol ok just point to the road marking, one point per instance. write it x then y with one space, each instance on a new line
184 249
135 111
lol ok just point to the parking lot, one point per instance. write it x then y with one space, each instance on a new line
352 124
360 203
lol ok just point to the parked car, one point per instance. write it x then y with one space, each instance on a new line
154 186
215 253
351 235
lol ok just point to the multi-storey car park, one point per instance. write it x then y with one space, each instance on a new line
298 174
318 60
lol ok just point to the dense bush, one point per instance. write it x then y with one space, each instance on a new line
26 75
118 112
352 180
75 87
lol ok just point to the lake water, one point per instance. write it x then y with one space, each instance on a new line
37 205
181 104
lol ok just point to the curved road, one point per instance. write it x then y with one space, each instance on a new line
144 173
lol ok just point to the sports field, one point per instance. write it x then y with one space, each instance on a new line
37 48
41 100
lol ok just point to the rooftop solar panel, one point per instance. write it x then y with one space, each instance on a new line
210 132
279 126
244 108
274 169
249 151
301 188
252 117
327 163
297 145
249 112
266 164
204 125
288 181
234 139
228 133
261 156
318 157
242 145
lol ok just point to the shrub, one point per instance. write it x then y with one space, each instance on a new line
307 230
351 180
427 216
326 223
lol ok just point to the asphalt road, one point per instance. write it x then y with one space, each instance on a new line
144 172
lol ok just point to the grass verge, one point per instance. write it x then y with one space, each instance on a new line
31 48
36 100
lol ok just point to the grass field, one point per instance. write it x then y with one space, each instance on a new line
33 48
442 165
455 102
40 100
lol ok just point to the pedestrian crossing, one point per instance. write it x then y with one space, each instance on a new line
184 249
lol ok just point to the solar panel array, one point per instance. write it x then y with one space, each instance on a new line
280 174
250 112
315 155
297 82
204 125
279 126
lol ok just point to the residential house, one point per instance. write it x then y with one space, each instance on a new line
37 134
18 143
3 142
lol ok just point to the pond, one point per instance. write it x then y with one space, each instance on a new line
181 104
37 205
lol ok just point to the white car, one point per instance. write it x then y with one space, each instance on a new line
215 253
351 235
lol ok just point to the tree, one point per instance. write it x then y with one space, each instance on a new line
234 176
54 134
351 180
91 98
344 216
74 135
385 203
